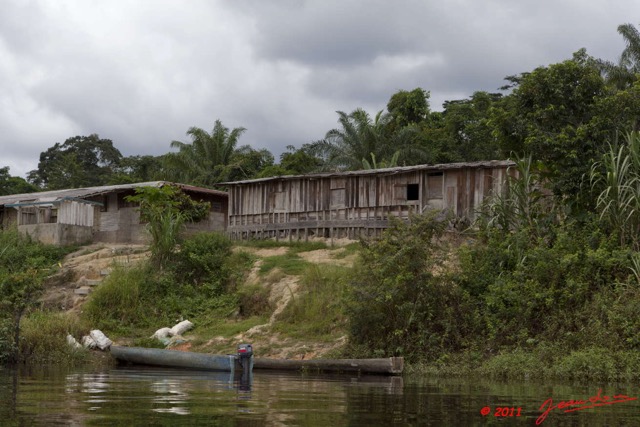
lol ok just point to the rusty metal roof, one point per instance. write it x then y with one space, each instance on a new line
81 193
384 171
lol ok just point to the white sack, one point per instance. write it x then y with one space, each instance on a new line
88 342
161 333
101 339
72 342
181 328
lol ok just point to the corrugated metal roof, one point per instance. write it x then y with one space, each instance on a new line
385 171
81 193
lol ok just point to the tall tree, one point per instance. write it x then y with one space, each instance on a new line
204 160
466 132
247 163
14 184
361 139
138 169
548 116
408 108
625 72
81 161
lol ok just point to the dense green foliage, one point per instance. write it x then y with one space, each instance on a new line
24 264
78 162
44 340
165 210
617 177
13 184
206 159
401 303
199 283
531 291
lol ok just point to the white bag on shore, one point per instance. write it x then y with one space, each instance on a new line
89 342
162 333
181 328
101 339
72 342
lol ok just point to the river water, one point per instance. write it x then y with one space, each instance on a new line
124 396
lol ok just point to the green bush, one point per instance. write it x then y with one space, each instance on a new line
6 340
518 364
24 264
402 302
199 286
124 298
542 289
44 338
254 300
202 262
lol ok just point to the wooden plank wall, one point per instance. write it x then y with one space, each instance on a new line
75 213
350 205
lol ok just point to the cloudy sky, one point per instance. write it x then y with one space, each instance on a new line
142 72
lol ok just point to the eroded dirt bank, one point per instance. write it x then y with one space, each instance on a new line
84 270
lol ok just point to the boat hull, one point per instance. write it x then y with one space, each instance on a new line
174 358
385 366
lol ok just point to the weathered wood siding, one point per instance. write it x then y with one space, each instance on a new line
351 205
75 213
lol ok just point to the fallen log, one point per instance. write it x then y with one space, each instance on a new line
387 366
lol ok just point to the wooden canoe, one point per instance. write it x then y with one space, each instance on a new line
385 366
210 362
174 358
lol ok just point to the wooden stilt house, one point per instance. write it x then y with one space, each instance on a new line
356 203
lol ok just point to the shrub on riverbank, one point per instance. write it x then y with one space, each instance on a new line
44 338
24 264
402 299
523 304
199 283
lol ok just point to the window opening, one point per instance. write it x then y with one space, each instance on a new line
413 191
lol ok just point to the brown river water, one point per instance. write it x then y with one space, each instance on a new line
126 396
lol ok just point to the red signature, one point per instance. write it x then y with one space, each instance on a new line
578 405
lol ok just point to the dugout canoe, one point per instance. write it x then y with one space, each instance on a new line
174 358
384 366
210 362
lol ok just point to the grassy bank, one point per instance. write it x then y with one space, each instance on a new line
495 305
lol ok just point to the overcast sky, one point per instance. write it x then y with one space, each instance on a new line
142 72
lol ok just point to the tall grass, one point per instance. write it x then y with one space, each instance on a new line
43 338
522 204
122 299
617 177
289 263
318 310
294 246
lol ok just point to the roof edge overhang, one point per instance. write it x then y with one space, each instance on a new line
385 171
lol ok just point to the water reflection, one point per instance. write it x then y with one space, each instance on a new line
151 396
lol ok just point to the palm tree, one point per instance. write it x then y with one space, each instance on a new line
203 161
624 73
361 140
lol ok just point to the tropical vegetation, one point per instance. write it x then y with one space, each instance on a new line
546 280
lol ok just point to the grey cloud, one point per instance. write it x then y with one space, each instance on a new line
141 73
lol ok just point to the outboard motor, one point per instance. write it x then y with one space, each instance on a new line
245 358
